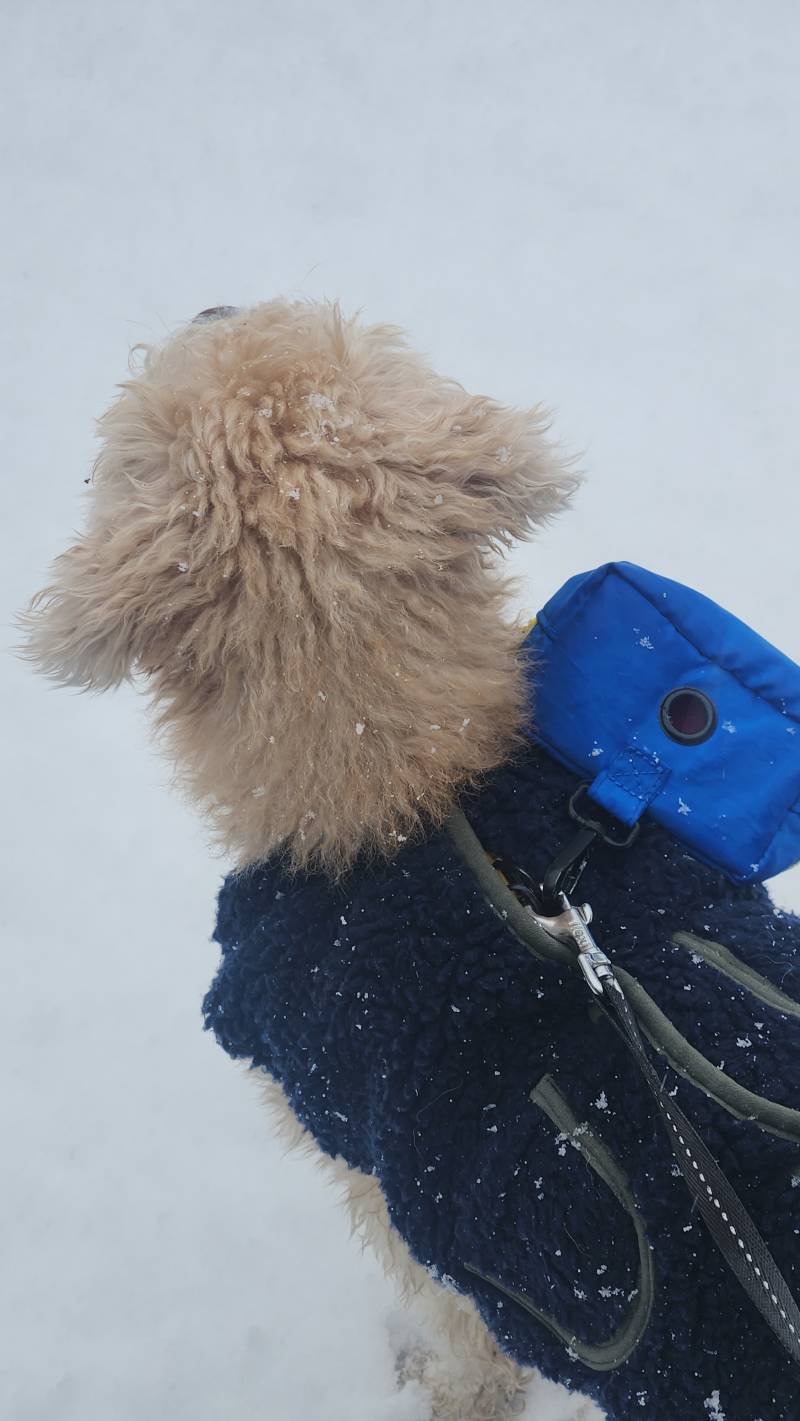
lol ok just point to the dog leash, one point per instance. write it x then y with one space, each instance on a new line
563 936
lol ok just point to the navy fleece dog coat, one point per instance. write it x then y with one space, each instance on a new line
417 1038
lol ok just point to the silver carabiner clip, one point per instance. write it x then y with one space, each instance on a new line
571 925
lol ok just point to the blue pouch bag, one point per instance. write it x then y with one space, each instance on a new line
665 702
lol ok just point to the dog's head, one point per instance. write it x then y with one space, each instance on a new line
291 535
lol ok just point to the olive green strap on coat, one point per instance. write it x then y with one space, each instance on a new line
694 1067
685 1059
603 1356
732 967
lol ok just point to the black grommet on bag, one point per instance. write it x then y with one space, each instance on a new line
688 716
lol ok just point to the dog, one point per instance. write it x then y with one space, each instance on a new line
293 541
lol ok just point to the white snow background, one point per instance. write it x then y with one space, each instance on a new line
593 205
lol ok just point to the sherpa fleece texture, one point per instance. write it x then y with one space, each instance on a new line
407 1027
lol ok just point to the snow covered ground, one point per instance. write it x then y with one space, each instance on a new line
591 205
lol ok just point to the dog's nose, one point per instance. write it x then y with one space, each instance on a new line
215 313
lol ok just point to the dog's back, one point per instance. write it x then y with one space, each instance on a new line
408 1030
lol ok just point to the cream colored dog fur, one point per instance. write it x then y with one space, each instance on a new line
292 540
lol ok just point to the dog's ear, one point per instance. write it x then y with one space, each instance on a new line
492 473
497 475
112 592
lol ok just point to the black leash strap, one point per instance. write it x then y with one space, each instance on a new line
567 929
722 1211
720 1207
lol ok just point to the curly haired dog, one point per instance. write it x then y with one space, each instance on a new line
293 534
290 535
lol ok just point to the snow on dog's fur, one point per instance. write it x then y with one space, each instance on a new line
291 526
292 536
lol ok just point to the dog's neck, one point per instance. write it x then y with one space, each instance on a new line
349 737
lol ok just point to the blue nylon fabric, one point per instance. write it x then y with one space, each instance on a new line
607 649
407 1027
